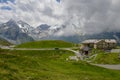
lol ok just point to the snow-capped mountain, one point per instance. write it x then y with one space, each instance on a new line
13 33
47 31
25 28
42 31
20 31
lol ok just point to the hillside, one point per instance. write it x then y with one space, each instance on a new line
102 57
49 65
4 42
108 58
46 44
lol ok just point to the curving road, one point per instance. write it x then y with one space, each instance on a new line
116 67
76 52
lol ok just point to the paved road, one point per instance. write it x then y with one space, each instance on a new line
32 49
115 67
76 52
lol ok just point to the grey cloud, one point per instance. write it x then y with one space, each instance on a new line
88 16
99 15
48 11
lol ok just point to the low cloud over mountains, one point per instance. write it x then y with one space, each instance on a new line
79 16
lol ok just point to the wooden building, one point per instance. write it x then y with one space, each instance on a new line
100 43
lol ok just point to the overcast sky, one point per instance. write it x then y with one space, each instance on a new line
89 16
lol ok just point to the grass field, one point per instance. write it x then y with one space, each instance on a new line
47 44
49 65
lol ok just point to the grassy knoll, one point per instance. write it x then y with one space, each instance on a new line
46 44
4 42
49 65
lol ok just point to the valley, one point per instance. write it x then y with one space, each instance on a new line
59 39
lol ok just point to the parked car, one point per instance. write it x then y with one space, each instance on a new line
56 48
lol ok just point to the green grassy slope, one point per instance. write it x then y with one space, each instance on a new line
110 58
105 57
49 65
46 44
4 42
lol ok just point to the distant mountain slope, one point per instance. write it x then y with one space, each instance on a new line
12 32
43 27
46 44
4 42
20 32
78 38
103 35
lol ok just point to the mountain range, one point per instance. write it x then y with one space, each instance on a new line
19 32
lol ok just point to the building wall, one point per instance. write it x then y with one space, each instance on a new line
104 45
101 45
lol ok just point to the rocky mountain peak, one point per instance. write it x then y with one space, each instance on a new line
43 27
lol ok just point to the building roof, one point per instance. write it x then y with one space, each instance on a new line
110 41
91 41
98 40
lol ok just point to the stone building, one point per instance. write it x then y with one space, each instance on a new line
100 43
